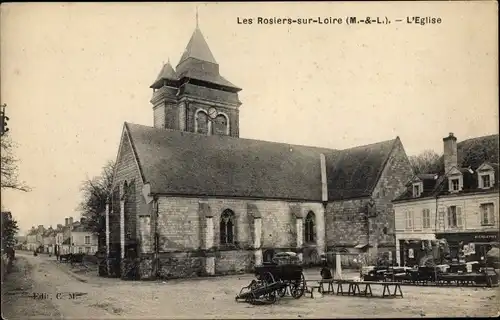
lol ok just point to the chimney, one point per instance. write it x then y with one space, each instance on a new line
65 222
40 228
70 220
450 152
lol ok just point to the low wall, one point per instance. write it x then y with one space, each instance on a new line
179 265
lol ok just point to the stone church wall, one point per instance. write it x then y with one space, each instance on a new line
391 184
346 221
181 234
136 209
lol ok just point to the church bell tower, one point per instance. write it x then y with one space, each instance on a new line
194 97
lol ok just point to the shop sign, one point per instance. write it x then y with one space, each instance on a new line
485 237
469 237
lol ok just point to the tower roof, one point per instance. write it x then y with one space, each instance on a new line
198 63
197 48
167 73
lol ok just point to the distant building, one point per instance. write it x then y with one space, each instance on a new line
21 242
59 238
84 240
76 237
458 202
35 238
49 240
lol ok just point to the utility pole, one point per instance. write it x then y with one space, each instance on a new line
3 120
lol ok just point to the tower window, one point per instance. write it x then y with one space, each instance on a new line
201 120
220 125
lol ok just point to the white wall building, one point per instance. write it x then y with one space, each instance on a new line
459 202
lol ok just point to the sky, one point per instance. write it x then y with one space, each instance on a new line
72 74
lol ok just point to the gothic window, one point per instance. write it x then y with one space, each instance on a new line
227 226
201 122
310 234
220 125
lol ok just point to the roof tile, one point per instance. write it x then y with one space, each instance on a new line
184 163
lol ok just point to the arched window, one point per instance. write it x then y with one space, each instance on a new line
201 120
227 227
310 234
220 125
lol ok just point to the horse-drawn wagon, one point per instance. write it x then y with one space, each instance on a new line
275 279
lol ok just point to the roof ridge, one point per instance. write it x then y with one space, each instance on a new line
231 138
384 164
370 144
260 140
134 151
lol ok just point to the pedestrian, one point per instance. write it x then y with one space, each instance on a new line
326 272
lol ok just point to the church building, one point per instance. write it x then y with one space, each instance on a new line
192 198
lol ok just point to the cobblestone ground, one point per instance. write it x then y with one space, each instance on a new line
212 298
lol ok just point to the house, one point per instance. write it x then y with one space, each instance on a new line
76 237
64 236
457 202
35 238
83 239
58 239
31 239
190 197
49 239
21 242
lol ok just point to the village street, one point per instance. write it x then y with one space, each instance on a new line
69 295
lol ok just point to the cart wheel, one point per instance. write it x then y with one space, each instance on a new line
254 285
271 297
268 278
282 292
298 287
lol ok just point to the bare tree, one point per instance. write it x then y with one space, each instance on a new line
96 192
425 162
8 167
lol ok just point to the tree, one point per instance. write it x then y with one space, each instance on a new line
96 192
8 167
9 230
427 161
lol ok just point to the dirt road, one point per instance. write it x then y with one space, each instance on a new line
69 296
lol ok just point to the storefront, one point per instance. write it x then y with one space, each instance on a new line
472 246
413 252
